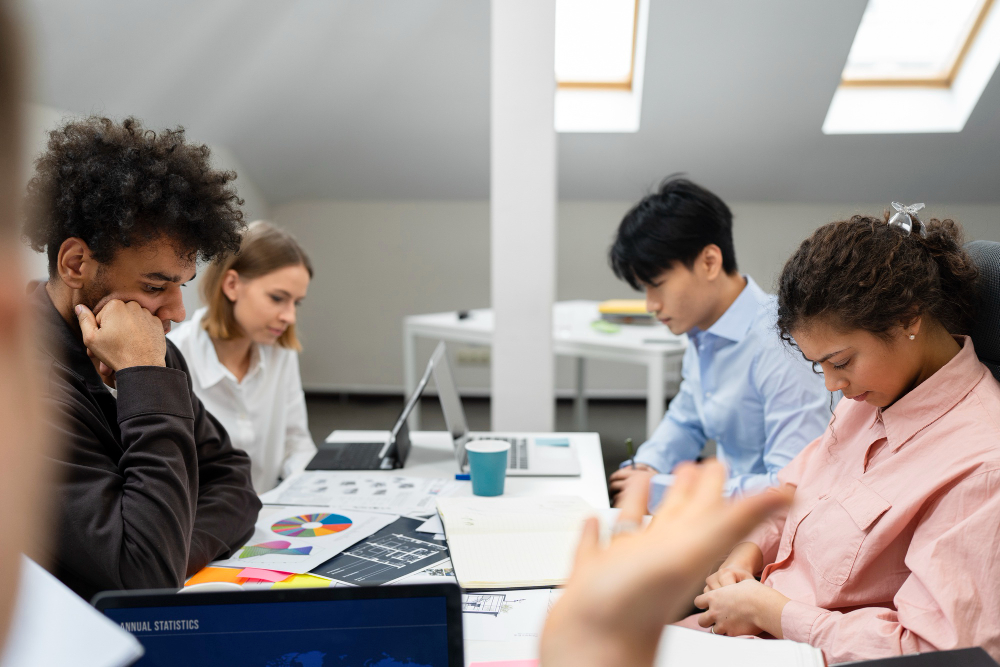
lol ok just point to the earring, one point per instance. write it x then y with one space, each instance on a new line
913 336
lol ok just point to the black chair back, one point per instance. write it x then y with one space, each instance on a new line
986 330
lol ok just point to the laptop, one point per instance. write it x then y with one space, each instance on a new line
386 455
530 455
367 625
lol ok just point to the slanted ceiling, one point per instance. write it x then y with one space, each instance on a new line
389 99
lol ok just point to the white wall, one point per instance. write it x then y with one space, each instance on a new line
377 262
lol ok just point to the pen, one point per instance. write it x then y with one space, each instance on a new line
463 476
631 455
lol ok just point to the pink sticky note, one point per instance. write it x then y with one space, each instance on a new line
264 575
506 663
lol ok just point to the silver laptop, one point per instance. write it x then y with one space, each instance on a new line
386 455
530 455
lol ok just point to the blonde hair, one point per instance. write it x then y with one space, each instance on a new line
265 248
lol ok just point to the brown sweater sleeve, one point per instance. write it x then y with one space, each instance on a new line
173 495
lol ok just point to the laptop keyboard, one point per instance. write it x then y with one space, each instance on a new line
359 456
518 459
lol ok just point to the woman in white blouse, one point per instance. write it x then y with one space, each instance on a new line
243 352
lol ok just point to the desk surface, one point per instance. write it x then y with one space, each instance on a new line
433 456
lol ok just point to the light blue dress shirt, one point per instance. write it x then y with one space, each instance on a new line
747 390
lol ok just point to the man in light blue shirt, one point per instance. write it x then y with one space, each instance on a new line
742 386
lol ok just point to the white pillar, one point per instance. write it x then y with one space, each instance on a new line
522 213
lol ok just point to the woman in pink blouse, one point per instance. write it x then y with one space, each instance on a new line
892 544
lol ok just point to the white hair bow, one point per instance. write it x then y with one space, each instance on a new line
906 218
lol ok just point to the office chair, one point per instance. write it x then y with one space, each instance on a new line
986 330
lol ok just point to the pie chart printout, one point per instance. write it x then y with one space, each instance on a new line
312 525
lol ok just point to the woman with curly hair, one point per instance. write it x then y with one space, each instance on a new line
890 546
242 348
150 488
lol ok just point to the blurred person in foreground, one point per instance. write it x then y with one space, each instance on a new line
150 489
620 596
23 446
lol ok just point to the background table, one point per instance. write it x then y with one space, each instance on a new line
572 335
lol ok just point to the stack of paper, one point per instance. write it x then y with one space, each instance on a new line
513 542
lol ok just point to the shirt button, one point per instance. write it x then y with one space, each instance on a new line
708 394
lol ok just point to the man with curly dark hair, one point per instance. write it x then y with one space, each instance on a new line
150 487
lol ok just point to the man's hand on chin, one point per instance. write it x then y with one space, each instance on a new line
122 335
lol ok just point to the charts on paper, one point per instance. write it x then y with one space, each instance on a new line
392 553
299 538
349 490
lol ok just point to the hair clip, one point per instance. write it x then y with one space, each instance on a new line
906 218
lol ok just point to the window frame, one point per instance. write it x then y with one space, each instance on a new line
625 85
945 81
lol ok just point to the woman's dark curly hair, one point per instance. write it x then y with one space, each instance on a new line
117 185
864 274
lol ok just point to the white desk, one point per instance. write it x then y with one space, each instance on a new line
573 336
433 456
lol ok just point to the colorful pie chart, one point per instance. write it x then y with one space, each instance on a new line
312 525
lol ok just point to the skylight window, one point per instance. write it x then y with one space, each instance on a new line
916 66
595 43
600 51
913 42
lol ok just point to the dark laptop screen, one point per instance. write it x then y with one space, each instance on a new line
385 632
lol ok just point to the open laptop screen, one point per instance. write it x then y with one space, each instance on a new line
293 628
451 404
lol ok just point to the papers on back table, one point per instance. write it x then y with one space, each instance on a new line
299 538
394 494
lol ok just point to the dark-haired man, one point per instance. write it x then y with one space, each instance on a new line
150 488
741 385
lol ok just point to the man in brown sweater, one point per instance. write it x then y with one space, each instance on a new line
149 487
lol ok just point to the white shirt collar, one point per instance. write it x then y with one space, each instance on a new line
206 362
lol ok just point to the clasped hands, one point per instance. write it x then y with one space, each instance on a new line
122 335
735 603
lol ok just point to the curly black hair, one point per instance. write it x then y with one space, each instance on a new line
865 274
117 185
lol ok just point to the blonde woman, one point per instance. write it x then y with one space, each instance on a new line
243 352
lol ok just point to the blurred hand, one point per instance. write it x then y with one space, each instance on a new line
627 476
123 335
620 596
